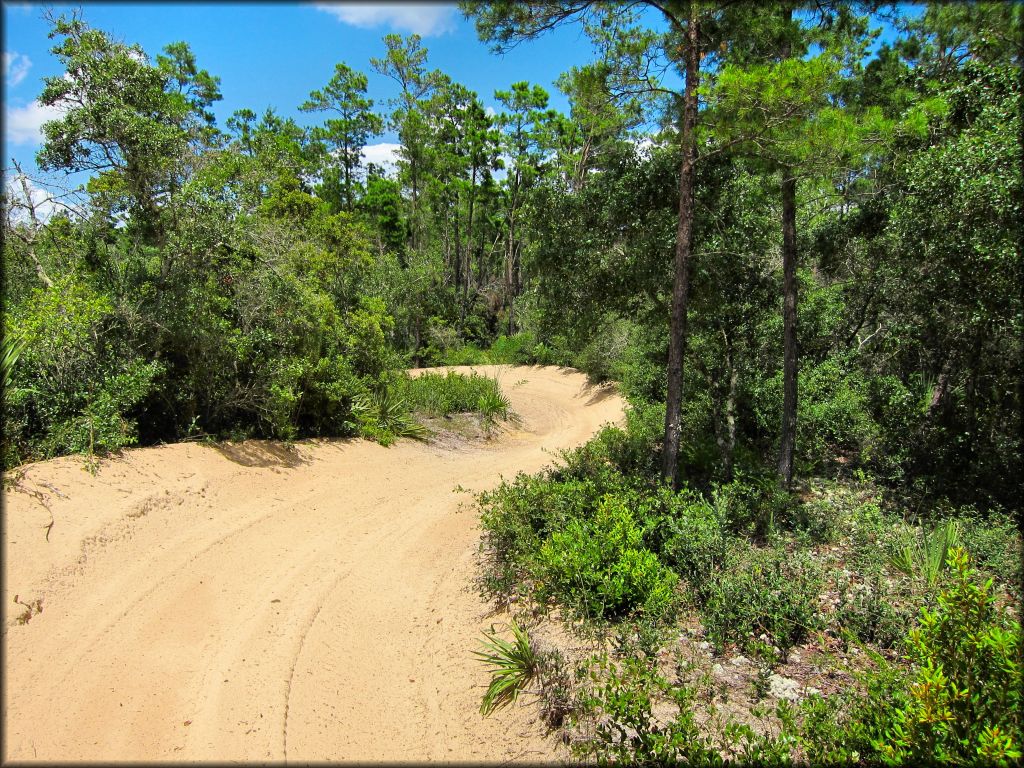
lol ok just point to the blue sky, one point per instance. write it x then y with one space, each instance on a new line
274 54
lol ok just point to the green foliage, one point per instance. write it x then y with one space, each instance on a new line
873 610
752 505
9 354
763 592
834 419
74 377
922 555
601 357
344 136
513 350
600 567
957 704
438 394
696 544
841 729
384 416
493 404
102 425
993 542
620 699
964 702
513 666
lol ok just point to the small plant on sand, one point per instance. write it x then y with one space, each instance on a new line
513 665
493 404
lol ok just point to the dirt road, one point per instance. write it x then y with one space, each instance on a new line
255 603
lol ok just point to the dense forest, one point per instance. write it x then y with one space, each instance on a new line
798 254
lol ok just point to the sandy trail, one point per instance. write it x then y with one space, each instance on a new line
252 603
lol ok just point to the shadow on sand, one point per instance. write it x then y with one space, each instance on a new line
261 453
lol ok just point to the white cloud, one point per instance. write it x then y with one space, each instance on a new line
16 66
23 124
424 19
384 154
490 111
18 210
643 143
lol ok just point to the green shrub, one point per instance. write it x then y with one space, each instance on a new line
642 367
872 535
10 351
75 389
834 414
328 387
842 728
965 700
517 349
384 416
600 567
519 515
601 357
872 611
619 698
768 592
493 405
994 543
751 505
957 704
103 425
696 545
614 453
922 554
820 519
468 354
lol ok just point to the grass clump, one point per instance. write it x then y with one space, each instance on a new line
442 394
965 697
922 555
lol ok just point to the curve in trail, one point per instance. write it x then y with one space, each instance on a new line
251 602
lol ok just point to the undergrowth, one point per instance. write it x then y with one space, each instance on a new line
838 566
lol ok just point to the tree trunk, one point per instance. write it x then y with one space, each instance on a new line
457 265
469 240
787 439
684 243
725 423
346 164
510 267
787 442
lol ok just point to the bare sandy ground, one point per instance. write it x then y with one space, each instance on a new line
252 602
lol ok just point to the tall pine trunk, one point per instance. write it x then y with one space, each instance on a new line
684 245
787 441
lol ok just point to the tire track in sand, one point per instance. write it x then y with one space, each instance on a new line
312 605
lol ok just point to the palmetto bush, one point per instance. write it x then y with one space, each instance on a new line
437 394
923 555
384 416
